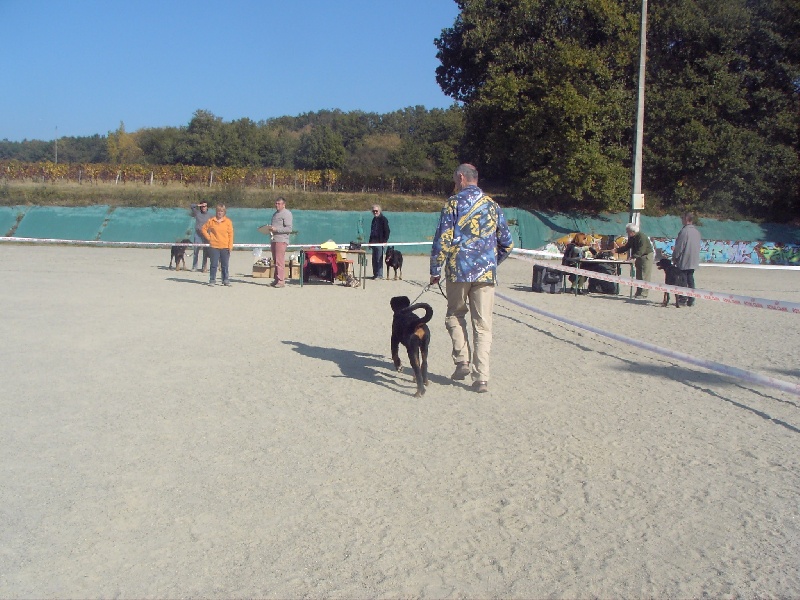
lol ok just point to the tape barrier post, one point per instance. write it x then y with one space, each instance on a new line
757 378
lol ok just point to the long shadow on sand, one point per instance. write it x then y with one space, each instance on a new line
695 379
363 366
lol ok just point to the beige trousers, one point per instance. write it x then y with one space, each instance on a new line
481 306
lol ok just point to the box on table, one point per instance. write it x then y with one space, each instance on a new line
292 270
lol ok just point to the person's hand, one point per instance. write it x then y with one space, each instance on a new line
435 279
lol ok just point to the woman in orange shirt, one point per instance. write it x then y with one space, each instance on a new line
219 233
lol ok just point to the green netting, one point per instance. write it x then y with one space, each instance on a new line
8 218
246 222
165 225
530 229
62 222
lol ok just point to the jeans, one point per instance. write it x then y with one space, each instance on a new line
690 284
481 306
198 239
222 257
377 261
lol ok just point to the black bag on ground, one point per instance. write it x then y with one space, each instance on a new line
546 280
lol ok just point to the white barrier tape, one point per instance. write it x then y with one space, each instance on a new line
792 388
555 255
171 244
748 301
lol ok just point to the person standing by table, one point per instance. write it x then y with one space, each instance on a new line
471 239
686 253
280 228
201 216
219 233
641 250
378 234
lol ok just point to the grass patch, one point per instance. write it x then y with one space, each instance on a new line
177 195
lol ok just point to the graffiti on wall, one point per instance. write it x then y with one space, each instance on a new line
711 251
737 252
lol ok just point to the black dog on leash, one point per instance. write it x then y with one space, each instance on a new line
177 253
393 260
411 331
672 276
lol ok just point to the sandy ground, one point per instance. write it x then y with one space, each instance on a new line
164 439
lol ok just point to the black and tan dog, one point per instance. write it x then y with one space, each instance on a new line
177 254
411 331
672 276
393 260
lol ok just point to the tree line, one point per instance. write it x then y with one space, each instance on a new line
545 102
413 150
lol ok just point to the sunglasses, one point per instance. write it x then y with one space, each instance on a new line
376 211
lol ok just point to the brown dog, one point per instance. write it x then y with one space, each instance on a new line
177 253
411 331
672 276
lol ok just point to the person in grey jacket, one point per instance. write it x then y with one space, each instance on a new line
201 216
686 253
280 228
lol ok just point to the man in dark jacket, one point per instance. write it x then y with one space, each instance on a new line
642 254
378 234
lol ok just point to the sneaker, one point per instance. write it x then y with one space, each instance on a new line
226 283
278 284
211 283
480 387
462 371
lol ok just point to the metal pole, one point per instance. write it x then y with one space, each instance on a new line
637 198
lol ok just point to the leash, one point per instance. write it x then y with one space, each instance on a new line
426 288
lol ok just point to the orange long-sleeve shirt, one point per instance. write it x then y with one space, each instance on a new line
219 233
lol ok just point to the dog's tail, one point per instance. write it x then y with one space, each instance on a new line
424 306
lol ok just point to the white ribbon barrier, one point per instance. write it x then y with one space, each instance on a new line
778 305
171 244
792 388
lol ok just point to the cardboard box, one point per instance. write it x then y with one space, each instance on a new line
292 270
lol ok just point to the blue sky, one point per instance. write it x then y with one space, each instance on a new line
80 67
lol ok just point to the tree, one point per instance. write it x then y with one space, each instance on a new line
320 148
725 101
204 145
547 97
122 147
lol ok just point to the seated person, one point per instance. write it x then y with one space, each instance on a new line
577 249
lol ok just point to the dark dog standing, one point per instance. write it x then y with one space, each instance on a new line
411 331
393 260
672 276
177 254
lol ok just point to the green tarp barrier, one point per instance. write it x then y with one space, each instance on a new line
62 222
531 229
8 218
